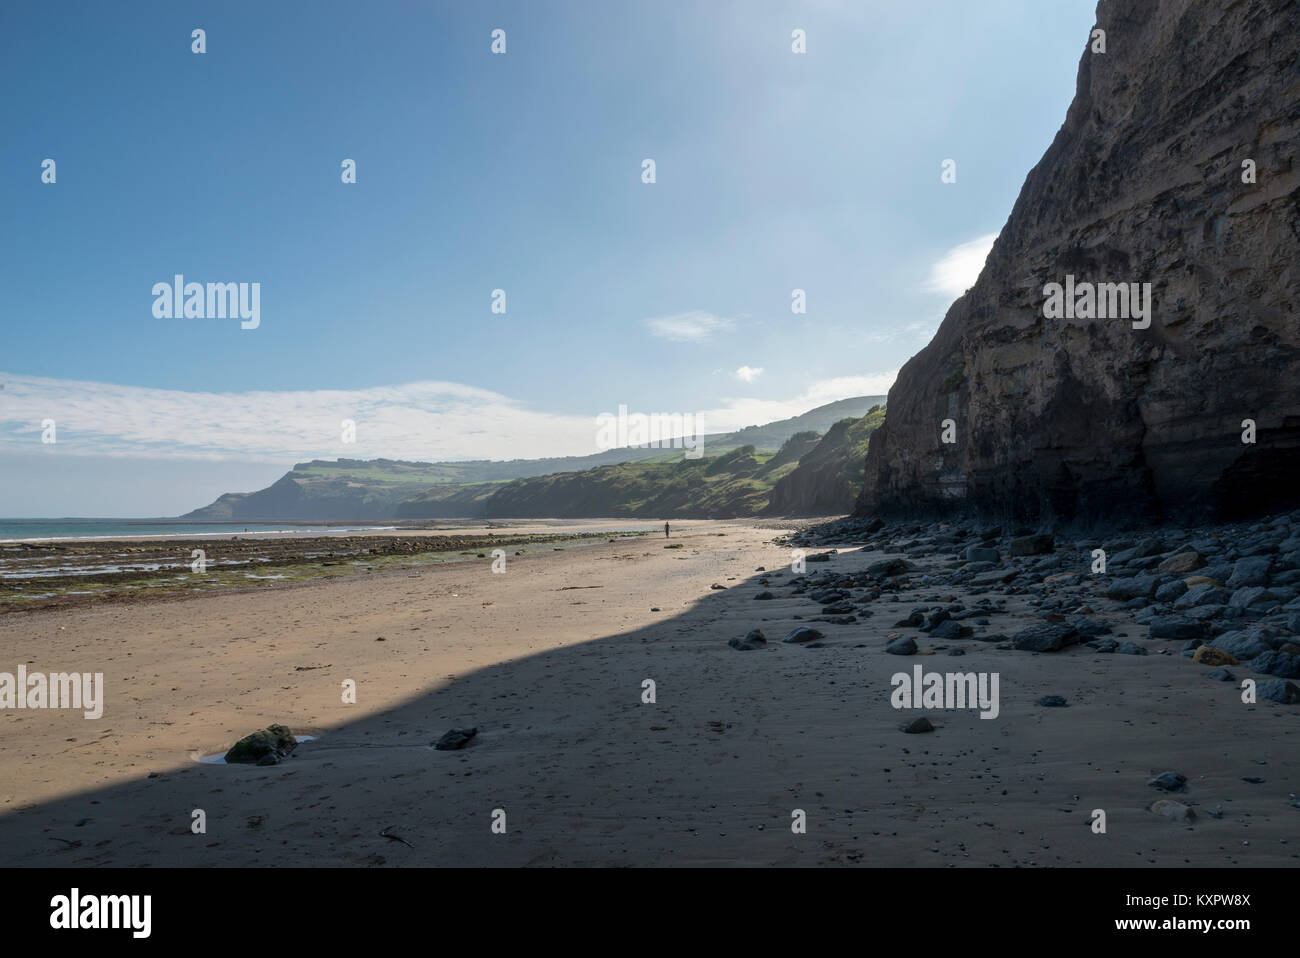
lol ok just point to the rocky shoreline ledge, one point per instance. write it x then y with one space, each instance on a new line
48 575
1225 595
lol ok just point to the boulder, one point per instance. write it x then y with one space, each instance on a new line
950 629
274 740
1032 545
1209 655
1252 570
1177 627
1169 782
455 739
1277 663
884 568
1049 637
1135 587
1247 596
753 640
1244 643
1182 562
1201 595
1278 690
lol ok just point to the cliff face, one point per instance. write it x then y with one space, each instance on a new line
1089 418
829 476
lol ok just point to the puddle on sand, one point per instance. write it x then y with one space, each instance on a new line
219 758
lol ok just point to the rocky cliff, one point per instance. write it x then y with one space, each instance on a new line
829 476
1075 417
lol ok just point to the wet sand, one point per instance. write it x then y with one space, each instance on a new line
45 575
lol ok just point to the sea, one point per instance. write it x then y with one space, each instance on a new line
63 530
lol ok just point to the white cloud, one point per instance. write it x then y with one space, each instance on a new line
736 413
692 327
957 270
415 421
749 373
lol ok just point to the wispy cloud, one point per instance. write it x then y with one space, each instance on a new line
692 327
957 270
416 421
748 373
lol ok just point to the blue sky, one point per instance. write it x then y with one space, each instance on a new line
475 172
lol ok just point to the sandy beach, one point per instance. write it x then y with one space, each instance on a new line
548 661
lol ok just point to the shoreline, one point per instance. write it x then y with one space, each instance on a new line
43 577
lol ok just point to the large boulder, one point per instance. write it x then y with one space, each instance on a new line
1278 690
1243 643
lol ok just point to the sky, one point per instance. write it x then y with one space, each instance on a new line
521 171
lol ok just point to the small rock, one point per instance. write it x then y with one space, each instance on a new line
949 629
1169 782
457 738
917 726
903 646
1052 701
1174 811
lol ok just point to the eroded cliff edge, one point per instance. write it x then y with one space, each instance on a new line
1091 419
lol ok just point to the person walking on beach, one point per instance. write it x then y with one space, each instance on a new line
665 530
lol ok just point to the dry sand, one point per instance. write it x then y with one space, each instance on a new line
548 660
